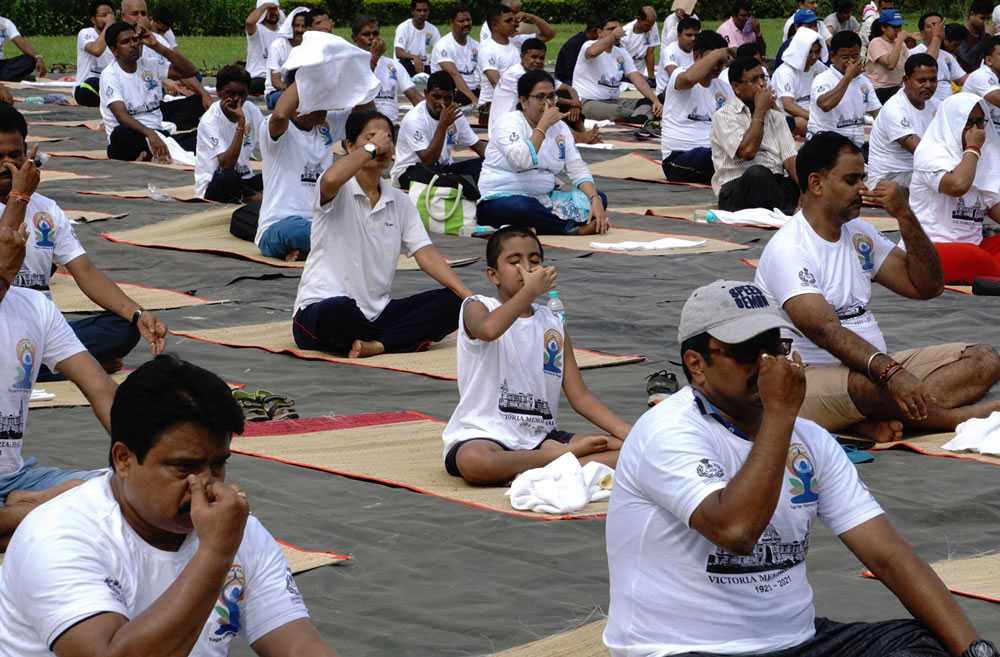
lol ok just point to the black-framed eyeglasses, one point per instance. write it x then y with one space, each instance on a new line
747 352
979 123
544 97
755 79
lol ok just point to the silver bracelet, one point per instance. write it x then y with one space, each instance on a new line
868 367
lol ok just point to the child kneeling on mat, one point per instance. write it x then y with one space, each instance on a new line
513 358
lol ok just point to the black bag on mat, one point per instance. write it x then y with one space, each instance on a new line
244 222
421 173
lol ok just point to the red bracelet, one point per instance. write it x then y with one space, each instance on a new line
889 370
21 196
974 148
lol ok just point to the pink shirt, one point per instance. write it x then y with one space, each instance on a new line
879 74
734 36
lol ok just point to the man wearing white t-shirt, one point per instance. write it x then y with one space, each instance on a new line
93 54
503 50
392 77
15 69
132 90
640 41
296 149
33 333
842 95
458 54
415 38
261 28
931 26
361 224
716 499
288 36
108 336
431 132
679 53
902 122
984 81
228 133
601 67
819 269
693 95
161 555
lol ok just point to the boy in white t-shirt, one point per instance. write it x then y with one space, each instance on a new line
514 357
692 97
261 29
161 556
415 38
900 125
392 76
717 497
15 69
984 80
931 26
679 53
640 40
228 133
93 54
601 67
431 132
132 90
361 225
458 54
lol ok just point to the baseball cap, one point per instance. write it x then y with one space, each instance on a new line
803 16
730 311
891 17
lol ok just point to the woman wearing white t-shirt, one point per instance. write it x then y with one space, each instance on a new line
955 187
93 54
531 146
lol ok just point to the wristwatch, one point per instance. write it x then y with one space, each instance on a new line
981 648
371 148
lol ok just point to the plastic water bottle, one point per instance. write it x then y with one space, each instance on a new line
705 217
555 304
156 194
48 99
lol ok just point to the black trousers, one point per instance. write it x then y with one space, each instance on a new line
759 187
17 68
462 99
243 223
229 186
257 86
128 144
183 113
89 95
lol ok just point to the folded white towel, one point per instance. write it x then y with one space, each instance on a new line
980 435
655 245
177 153
332 73
752 217
562 486
39 394
590 123
598 147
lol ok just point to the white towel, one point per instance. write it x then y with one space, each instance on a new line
39 394
590 123
751 217
598 147
562 486
332 73
980 435
177 153
285 31
281 14
655 245
940 147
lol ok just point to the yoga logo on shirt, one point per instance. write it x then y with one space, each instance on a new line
864 246
149 81
25 351
427 42
324 132
228 606
561 146
451 140
720 100
475 58
392 71
864 93
552 361
45 229
247 136
621 64
803 479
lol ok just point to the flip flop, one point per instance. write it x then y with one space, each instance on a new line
253 409
857 456
277 407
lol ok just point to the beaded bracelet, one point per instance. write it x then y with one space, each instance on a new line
889 370
21 196
893 372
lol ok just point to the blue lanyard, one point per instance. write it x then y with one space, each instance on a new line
702 401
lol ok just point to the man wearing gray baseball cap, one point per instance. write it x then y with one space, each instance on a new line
716 492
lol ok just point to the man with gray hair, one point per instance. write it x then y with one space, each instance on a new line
640 40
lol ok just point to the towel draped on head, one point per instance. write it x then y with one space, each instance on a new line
870 9
798 50
286 26
281 14
940 147
332 73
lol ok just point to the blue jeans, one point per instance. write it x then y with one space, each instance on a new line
693 166
272 98
31 477
105 336
286 235
526 211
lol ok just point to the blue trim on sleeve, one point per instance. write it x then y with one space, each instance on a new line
534 155
583 180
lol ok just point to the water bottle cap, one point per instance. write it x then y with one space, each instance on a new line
553 294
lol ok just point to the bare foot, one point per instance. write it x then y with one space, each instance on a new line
593 136
583 445
885 431
113 365
292 256
41 496
143 156
365 349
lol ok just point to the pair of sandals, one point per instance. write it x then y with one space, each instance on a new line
265 405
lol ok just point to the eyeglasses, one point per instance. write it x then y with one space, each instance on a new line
979 123
746 353
754 80
544 97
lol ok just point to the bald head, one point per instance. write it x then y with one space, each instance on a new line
134 11
645 20
515 5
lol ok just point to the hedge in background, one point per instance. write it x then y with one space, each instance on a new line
225 17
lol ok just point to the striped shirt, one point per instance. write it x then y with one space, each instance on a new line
729 125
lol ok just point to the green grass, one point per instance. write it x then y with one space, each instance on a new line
210 53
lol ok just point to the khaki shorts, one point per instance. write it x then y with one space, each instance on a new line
828 402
